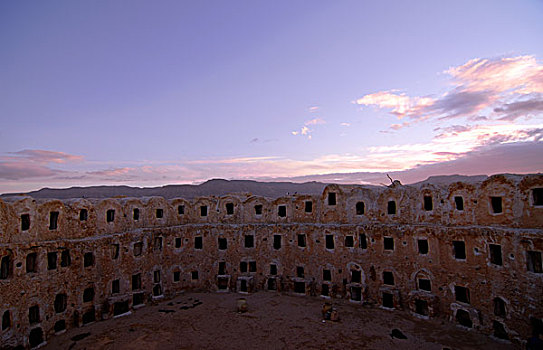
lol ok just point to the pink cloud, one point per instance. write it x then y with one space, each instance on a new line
24 170
521 74
305 130
42 156
111 172
512 87
400 104
33 164
315 121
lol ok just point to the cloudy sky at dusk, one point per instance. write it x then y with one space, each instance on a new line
147 93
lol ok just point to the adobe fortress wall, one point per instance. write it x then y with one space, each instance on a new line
466 252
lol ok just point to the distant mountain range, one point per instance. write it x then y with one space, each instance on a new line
217 187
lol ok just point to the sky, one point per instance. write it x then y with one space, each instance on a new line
149 93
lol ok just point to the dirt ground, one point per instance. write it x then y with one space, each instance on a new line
274 321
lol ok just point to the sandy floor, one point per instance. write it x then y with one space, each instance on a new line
274 321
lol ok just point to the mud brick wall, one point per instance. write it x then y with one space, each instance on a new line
466 252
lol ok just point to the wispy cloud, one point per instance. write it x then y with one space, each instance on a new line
509 87
305 130
32 163
315 121
43 156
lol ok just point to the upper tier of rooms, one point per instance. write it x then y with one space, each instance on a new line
514 201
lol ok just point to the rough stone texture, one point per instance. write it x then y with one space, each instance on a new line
168 244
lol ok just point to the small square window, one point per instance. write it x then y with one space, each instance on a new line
360 208
157 246
276 242
388 243
157 290
194 275
349 241
299 287
462 294
222 268
499 307
138 248
258 209
138 298
115 248
249 241
136 281
53 220
495 254
388 300
388 278
308 207
229 208
198 242
282 211
88 295
110 215
326 275
459 203
425 284
159 213
34 314
135 214
499 330
6 320
428 205
243 286
32 262
391 208
356 276
300 271
331 198
459 250
421 307
5 268
272 284
115 286
537 196
533 261
496 205
89 316
301 241
273 269
65 259
330 242
25 222
88 259
120 307
181 210
203 210
83 215
423 246
325 290
362 241
223 243
51 260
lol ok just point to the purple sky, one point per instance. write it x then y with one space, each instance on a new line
147 93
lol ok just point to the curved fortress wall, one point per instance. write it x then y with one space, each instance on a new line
471 253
